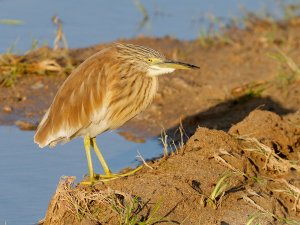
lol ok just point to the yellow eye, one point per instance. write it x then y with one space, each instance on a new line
150 60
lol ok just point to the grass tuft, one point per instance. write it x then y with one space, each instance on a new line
11 22
90 203
218 191
289 71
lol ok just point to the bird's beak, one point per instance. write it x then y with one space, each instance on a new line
176 65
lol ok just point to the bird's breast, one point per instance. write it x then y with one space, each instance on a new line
132 98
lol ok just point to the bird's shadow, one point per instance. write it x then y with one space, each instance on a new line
223 115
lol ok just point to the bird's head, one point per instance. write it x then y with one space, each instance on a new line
149 60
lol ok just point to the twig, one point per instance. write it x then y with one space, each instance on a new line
164 140
143 160
249 200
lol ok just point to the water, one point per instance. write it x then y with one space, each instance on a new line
29 175
94 21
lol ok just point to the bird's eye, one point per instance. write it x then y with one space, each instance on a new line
149 60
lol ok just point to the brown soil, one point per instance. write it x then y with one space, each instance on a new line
257 151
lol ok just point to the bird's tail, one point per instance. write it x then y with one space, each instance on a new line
42 133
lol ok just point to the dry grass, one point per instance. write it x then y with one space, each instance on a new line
218 158
11 21
164 141
60 40
272 163
272 160
288 71
275 164
89 203
172 146
41 62
292 191
263 213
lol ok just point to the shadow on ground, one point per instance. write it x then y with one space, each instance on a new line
223 115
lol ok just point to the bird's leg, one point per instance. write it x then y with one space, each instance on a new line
87 146
108 174
101 158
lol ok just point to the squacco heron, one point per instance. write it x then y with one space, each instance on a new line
105 91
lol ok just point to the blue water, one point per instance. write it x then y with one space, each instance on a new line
29 175
90 22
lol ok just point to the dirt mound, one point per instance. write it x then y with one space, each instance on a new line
282 135
249 174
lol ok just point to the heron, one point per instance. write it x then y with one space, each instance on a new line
102 93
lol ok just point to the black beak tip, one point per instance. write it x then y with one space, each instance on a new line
194 67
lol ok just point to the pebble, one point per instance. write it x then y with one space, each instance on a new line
20 98
37 85
24 125
7 109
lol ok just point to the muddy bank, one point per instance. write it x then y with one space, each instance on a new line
257 159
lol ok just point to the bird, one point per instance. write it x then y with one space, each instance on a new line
106 90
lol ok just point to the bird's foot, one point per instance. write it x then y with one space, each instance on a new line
90 181
112 176
108 177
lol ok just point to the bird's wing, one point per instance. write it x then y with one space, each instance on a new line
77 102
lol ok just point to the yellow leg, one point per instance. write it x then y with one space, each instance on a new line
101 158
108 174
87 146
